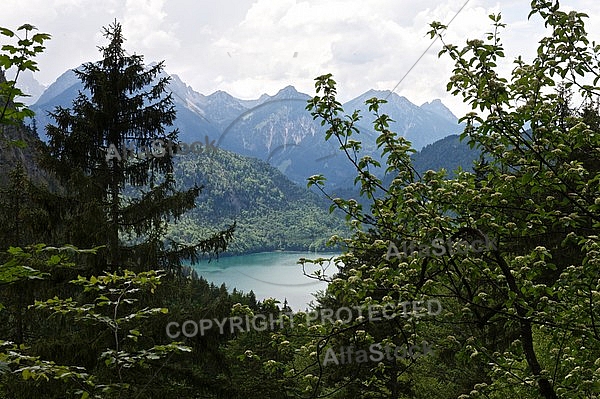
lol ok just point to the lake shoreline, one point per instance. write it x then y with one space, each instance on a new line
287 251
274 274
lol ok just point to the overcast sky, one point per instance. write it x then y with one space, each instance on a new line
250 47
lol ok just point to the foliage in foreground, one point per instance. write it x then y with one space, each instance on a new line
521 317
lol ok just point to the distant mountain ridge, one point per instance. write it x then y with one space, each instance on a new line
420 125
272 212
437 107
278 128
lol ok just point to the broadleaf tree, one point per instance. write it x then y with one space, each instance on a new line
18 57
520 315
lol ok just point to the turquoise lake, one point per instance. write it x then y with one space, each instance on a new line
269 274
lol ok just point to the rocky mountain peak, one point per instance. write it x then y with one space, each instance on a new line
289 92
437 107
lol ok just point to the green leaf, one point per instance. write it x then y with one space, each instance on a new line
18 143
6 32
27 27
26 374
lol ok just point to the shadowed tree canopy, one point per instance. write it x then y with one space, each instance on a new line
122 202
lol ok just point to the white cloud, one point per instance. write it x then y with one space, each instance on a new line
248 47
144 25
365 44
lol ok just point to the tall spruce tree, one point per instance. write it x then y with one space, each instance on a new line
111 197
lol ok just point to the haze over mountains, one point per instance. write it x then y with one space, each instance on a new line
28 84
277 129
270 143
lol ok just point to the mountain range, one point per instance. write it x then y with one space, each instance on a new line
277 129
241 180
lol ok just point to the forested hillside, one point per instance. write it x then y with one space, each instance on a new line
449 153
269 210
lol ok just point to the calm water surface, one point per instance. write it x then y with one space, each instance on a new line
269 274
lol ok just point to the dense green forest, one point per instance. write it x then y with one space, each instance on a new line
517 317
270 212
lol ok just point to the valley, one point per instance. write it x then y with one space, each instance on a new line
268 147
